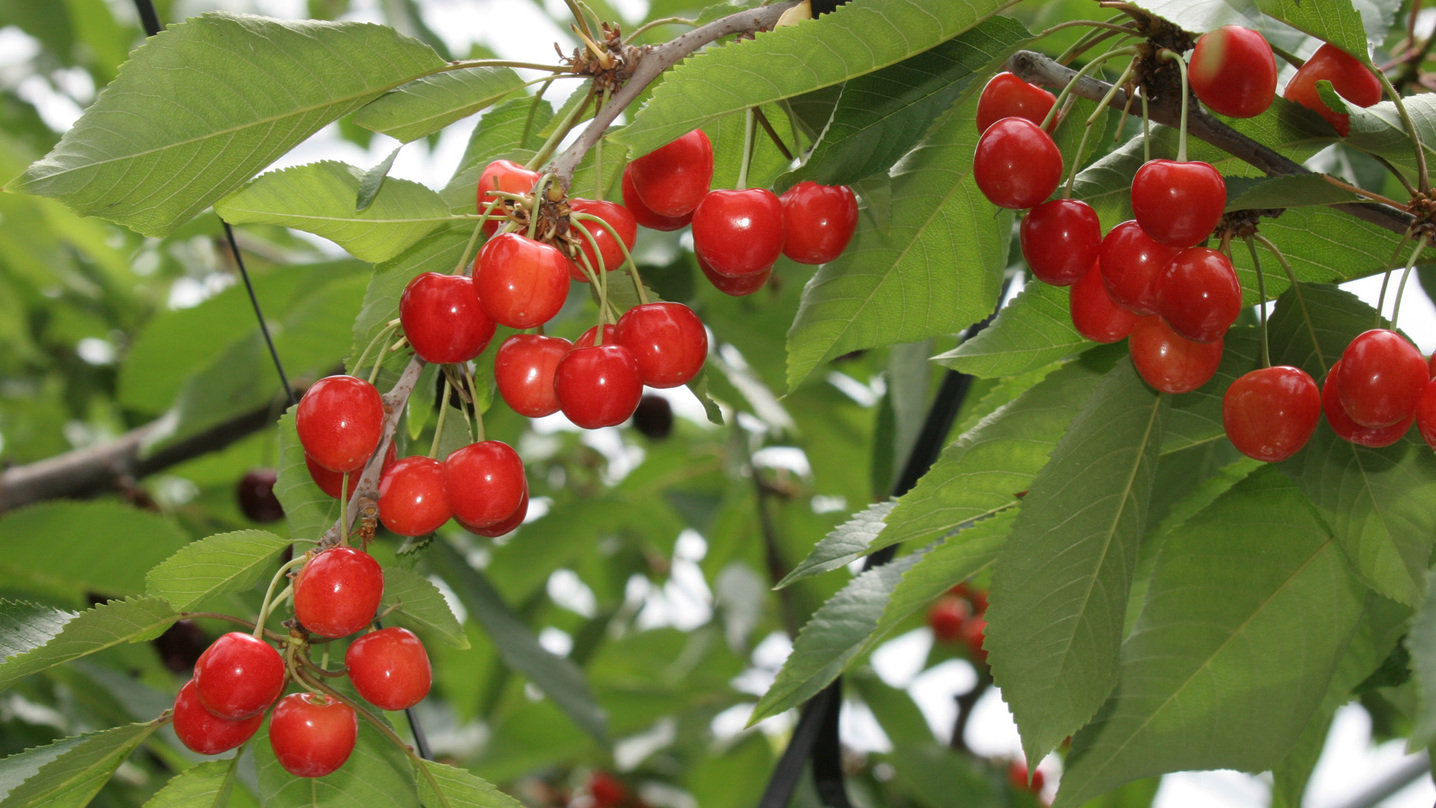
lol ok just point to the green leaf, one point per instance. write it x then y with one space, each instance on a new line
1301 190
1060 588
377 773
1249 611
72 777
421 605
1421 642
846 543
456 788
224 562
71 548
207 785
25 626
308 509
319 198
104 626
431 103
1378 129
203 106
1334 21
1032 331
373 180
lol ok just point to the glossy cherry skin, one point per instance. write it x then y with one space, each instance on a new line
1060 240
1007 96
330 481
1176 203
673 179
506 176
667 340
339 420
523 370
1426 414
739 232
1132 264
1169 362
505 525
486 482
1382 378
389 668
589 337
819 221
1233 71
1349 77
945 617
1270 413
238 676
521 283
204 732
1199 295
1095 315
735 287
412 499
312 735
1347 429
255 494
442 318
617 217
598 386
338 592
642 214
1016 164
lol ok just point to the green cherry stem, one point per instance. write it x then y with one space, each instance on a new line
1261 303
750 128
439 424
474 402
267 605
648 26
1086 70
1087 128
1300 299
272 635
1423 177
382 336
1386 280
1401 287
1173 56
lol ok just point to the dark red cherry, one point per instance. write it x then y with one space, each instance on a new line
523 371
520 282
617 217
819 220
1233 71
1060 240
1349 77
667 340
1382 378
1169 362
255 493
506 176
442 318
1426 414
1347 429
339 421
204 732
1270 413
486 483
1095 315
1007 96
1199 295
598 386
642 214
673 179
1016 164
1132 264
1176 203
412 499
739 232
505 525
330 481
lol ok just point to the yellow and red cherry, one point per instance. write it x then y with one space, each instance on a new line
1233 71
1382 377
311 734
666 339
339 421
598 386
412 499
442 318
1199 295
1170 362
819 221
486 483
204 732
1269 414
617 217
1060 240
389 668
1016 164
1178 204
338 591
1007 96
739 233
673 179
1132 262
520 282
238 676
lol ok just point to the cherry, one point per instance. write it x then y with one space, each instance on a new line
1426 414
654 417
521 283
1095 315
204 732
616 216
1349 77
412 499
598 386
1016 164
486 483
736 287
819 221
442 318
523 370
339 421
238 676
1347 429
607 791
330 481
1007 96
509 523
667 340
1132 262
673 179
181 645
642 214
1233 71
1018 777
506 176
1176 203
1199 295
1169 362
1060 240
739 232
338 592
589 338
389 668
973 595
1270 413
945 617
974 634
255 493
311 734
1382 378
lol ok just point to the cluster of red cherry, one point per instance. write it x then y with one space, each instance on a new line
960 615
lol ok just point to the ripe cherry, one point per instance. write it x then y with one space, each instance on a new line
338 592
442 318
1426 414
1233 71
486 483
1199 295
1347 429
255 493
607 791
667 340
589 337
204 732
1017 776
617 217
238 676
819 221
389 668
1132 264
1382 378
1007 96
598 386
523 370
736 287
506 176
1016 164
1176 203
330 481
974 635
739 232
520 282
339 421
642 214
1349 77
1060 240
673 179
1270 413
312 735
505 525
412 499
1095 315
654 417
1169 362
945 617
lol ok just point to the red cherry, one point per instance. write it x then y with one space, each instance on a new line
204 732
1016 164
523 370
1347 429
945 617
389 668
973 595
312 735
506 176
589 338
1007 96
667 340
1426 414
1382 378
412 500
486 482
442 318
330 481
1233 71
1095 315
974 634
619 218
521 283
739 232
1060 240
255 493
238 676
1349 77
1199 295
1132 262
339 421
819 221
1270 413
672 180
598 386
505 525
1017 776
1178 204
338 592
736 287
1169 362
607 791
642 214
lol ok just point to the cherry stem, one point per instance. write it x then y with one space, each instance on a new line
1086 70
1087 128
1296 290
598 190
465 64
1401 287
579 15
1261 303
319 668
648 26
537 198
533 109
466 264
750 129
629 264
560 132
1361 192
1287 56
267 605
474 403
1423 178
1386 280
273 635
1173 56
439 425
382 336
